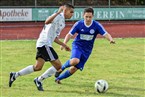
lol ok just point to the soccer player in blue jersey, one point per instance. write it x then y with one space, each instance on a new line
82 46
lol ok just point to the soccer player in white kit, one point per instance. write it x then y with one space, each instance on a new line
45 52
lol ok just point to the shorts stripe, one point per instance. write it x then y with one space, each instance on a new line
47 53
50 53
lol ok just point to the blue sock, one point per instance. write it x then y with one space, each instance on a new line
64 75
66 65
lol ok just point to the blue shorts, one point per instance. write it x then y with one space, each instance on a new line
77 53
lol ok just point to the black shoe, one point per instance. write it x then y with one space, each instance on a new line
57 81
38 84
57 74
12 78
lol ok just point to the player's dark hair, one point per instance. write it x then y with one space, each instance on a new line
89 9
68 5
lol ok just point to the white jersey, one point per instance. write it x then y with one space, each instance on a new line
51 31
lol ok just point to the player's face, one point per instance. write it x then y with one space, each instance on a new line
68 13
88 16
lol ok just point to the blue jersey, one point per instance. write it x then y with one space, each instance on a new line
86 35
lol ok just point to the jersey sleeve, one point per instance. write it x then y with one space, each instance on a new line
58 20
74 29
101 29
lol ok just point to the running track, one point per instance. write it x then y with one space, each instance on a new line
31 30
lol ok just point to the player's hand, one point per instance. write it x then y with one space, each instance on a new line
112 42
67 48
61 8
61 47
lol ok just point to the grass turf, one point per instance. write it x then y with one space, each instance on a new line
122 65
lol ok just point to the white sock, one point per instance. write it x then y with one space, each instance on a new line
48 73
24 71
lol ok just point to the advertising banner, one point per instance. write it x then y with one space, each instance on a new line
16 14
40 14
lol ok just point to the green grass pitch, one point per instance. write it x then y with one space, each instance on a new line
121 65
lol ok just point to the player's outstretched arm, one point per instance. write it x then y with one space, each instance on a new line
62 44
67 38
50 18
109 37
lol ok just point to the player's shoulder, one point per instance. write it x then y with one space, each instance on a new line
97 23
79 22
60 16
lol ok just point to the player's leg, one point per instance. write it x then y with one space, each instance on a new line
56 64
50 71
66 74
52 57
40 60
71 62
75 59
73 69
37 68
27 70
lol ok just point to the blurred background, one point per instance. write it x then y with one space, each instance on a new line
76 3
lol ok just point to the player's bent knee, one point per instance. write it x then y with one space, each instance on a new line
36 68
74 61
73 70
56 64
57 67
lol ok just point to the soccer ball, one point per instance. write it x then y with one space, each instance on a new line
101 86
